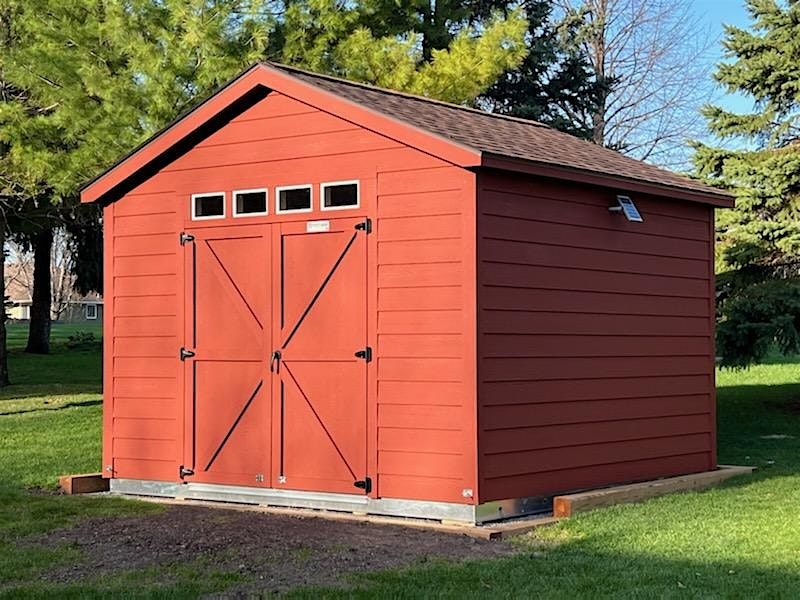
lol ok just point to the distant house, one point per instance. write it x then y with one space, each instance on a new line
67 306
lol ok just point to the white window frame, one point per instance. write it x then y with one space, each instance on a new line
90 318
224 203
237 214
328 184
306 186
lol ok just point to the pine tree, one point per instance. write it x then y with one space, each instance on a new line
759 241
96 78
466 51
101 76
444 55
555 83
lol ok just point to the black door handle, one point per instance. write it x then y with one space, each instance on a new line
275 362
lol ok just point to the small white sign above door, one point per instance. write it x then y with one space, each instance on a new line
317 226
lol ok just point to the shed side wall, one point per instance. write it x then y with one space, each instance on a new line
595 338
422 406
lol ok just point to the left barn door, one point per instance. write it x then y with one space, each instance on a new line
227 336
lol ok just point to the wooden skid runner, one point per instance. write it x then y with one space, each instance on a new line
566 506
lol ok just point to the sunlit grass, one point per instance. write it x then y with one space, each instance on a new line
741 540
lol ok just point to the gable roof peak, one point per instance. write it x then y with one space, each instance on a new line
461 135
398 93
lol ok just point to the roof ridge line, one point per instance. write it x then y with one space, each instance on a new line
388 91
529 122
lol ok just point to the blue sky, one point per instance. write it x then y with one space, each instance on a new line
714 14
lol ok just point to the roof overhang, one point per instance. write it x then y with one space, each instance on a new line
257 82
237 96
719 198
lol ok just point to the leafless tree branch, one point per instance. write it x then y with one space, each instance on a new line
653 54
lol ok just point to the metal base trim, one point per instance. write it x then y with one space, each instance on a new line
355 503
499 510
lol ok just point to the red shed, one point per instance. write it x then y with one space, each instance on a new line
329 295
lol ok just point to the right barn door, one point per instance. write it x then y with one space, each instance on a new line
320 357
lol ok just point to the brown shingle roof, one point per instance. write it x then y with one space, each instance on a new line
499 135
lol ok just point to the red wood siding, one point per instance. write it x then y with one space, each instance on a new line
595 338
421 292
143 332
425 327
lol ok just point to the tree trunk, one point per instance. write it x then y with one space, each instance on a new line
39 332
4 380
599 59
435 35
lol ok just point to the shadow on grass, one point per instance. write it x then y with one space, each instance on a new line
62 372
573 571
51 408
759 425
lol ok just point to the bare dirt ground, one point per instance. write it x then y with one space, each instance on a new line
275 552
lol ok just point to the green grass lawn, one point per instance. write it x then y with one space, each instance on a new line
741 540
738 541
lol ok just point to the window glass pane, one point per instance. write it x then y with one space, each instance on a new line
345 194
209 206
295 199
251 202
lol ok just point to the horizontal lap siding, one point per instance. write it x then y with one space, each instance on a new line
144 416
281 141
424 373
425 334
145 419
595 339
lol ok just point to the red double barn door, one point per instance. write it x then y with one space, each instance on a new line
276 356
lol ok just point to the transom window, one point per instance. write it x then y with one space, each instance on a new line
340 194
208 206
296 198
249 202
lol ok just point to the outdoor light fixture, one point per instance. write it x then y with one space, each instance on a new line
626 206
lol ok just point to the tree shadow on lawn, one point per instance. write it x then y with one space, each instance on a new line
63 372
49 405
759 425
572 571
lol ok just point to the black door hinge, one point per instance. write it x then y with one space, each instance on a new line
186 238
365 226
184 354
185 472
365 354
364 484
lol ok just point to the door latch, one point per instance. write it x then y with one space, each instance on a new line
365 354
275 362
364 484
186 238
184 354
185 471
